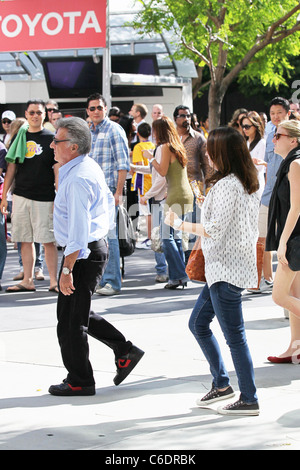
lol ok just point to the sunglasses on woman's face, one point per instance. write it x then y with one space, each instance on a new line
247 126
277 135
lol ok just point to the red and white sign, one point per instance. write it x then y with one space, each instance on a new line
37 25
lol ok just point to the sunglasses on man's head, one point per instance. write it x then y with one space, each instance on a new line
6 121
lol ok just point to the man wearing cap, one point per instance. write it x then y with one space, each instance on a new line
6 120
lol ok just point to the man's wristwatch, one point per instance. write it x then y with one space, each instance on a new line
66 271
177 223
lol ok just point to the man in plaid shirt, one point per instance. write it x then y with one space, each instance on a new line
110 150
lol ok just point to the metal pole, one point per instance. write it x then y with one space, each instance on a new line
106 66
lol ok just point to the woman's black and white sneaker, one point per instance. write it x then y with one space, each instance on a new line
240 408
215 395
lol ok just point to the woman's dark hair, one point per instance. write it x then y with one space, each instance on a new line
166 133
126 122
228 150
256 121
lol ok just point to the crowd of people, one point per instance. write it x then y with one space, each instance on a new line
230 186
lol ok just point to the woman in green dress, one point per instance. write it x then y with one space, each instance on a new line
179 196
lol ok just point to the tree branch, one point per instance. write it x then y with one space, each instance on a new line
279 22
190 47
262 42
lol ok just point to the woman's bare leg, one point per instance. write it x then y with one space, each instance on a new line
286 292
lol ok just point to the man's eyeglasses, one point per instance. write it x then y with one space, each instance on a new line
52 109
57 141
32 113
6 121
277 135
93 108
247 126
183 116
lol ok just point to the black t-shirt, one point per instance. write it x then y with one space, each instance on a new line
35 177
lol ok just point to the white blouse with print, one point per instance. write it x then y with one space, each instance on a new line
259 153
230 218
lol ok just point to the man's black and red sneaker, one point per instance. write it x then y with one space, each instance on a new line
126 363
67 390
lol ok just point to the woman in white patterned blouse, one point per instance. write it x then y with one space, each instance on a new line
228 236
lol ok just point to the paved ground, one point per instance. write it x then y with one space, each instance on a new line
154 409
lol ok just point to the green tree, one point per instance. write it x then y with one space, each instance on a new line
231 39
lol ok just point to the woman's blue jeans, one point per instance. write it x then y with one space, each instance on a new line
157 213
224 301
173 251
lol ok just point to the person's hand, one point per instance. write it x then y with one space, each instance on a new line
3 206
66 284
143 200
170 217
281 254
199 200
147 153
118 199
258 161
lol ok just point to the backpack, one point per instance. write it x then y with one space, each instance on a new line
127 239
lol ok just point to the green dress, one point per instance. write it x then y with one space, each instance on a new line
179 193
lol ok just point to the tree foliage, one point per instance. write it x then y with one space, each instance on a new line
245 39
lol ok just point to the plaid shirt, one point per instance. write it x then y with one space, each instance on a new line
110 150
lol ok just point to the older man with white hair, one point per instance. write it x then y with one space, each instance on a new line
83 210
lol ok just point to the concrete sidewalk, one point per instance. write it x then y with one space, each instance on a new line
155 407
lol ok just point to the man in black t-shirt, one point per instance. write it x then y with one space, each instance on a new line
35 180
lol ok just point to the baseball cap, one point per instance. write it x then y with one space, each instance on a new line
9 115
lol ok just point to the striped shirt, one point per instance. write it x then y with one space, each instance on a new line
110 150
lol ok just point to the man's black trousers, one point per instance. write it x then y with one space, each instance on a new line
75 319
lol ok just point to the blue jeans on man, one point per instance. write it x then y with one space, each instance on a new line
112 273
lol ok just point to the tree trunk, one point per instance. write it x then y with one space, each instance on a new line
214 106
216 95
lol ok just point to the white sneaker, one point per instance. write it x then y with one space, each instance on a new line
144 245
161 278
106 290
264 286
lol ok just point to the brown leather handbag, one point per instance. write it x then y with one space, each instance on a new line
195 267
260 249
